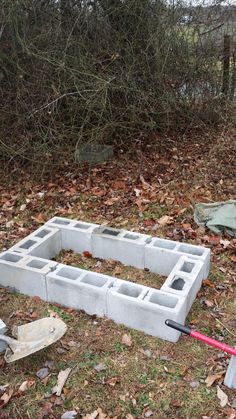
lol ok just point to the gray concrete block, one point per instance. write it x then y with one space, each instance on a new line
44 242
161 255
106 242
3 329
25 273
75 235
196 252
145 309
230 376
79 289
124 246
185 280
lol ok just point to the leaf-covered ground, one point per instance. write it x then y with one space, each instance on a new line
117 372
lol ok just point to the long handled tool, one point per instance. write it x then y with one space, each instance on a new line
230 377
32 337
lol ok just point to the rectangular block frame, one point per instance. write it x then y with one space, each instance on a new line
27 268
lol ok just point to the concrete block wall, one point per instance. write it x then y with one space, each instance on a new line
3 329
79 289
27 268
121 245
75 235
26 274
44 242
185 280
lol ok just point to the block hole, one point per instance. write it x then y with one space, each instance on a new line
163 300
187 267
131 236
82 226
111 232
178 284
61 222
9 257
129 290
95 280
37 264
41 234
69 273
148 240
27 244
190 250
164 244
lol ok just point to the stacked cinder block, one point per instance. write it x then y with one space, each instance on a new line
27 268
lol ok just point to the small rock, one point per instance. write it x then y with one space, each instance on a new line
234 403
100 367
165 358
148 413
148 353
71 414
42 373
49 364
194 384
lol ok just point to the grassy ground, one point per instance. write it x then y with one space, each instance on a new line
121 376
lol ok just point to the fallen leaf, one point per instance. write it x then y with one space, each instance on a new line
126 340
165 220
112 381
222 397
87 254
22 207
233 258
39 218
119 184
212 378
129 416
61 380
6 397
100 367
23 386
225 243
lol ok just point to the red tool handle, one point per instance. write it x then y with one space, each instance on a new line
199 336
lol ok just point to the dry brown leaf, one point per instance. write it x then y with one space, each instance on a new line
222 397
61 379
165 220
6 397
126 340
233 258
119 184
212 378
129 416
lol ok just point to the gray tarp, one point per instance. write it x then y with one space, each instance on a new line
219 217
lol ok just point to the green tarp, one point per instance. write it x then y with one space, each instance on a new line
218 217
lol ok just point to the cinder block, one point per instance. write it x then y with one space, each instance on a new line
196 252
124 246
75 235
79 289
162 255
185 280
44 242
145 309
25 273
230 376
3 329
106 243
